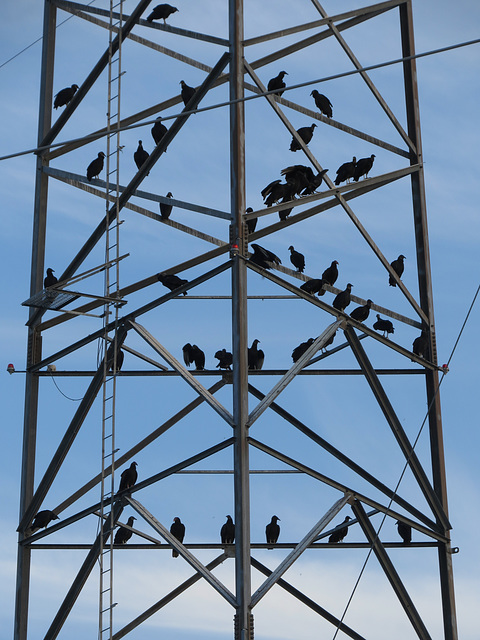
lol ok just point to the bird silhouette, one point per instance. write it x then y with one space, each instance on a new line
227 532
178 531
272 530
123 534
339 534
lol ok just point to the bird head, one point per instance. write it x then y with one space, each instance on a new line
50 271
401 257
313 126
176 519
275 518
369 303
290 248
74 87
134 464
335 262
349 285
169 194
101 154
283 73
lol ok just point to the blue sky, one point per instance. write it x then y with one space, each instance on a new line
195 169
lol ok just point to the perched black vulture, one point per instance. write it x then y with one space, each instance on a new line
315 183
123 534
171 281
42 519
323 103
313 286
362 167
227 532
263 257
330 275
275 191
158 130
297 259
306 134
346 171
342 300
404 531
339 534
299 177
193 355
272 530
398 266
225 359
277 83
128 477
187 92
120 358
140 156
298 352
255 357
166 209
178 531
50 279
95 167
420 345
64 96
360 314
161 12
252 223
284 213
383 325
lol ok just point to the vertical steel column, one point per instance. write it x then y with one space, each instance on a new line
426 303
34 344
239 324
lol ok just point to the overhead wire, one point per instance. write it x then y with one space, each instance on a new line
380 65
395 491
40 38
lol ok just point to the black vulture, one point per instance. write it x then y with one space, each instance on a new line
272 530
263 257
404 531
342 300
346 171
323 103
171 281
313 286
284 213
50 279
166 209
161 12
123 534
297 259
225 359
339 534
95 167
306 134
140 156
420 345
360 314
128 477
315 183
187 92
42 519
383 325
252 223
275 191
64 96
362 167
119 363
277 83
255 357
158 130
299 177
227 532
178 531
330 275
193 355
398 266
298 352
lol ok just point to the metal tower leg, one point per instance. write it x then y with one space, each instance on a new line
34 345
426 301
239 326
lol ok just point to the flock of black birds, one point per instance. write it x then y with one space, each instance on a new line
129 477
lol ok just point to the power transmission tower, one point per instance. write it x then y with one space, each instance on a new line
234 416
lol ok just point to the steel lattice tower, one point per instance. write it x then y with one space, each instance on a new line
235 399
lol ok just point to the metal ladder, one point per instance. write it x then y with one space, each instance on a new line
111 312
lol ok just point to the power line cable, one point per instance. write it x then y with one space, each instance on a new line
380 65
39 39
